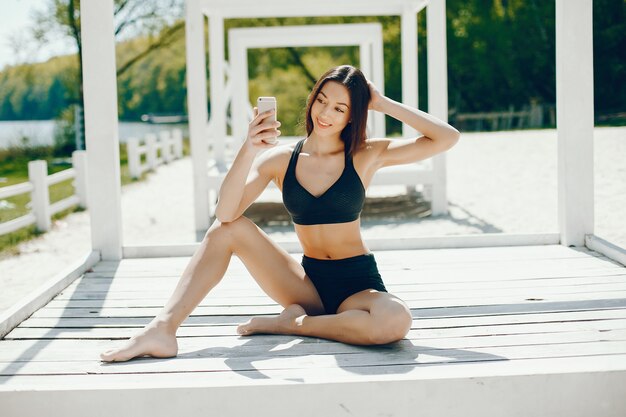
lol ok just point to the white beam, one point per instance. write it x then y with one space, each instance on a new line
608 249
485 240
377 57
574 104
40 296
367 35
348 34
438 94
409 64
101 128
238 59
197 109
218 99
366 64
286 8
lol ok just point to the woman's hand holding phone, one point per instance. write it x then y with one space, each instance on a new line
263 129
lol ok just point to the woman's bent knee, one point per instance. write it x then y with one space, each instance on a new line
230 230
392 325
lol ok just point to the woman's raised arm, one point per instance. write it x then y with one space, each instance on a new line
246 179
438 136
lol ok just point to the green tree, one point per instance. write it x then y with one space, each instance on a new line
132 18
500 53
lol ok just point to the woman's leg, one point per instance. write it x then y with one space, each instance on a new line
278 274
368 317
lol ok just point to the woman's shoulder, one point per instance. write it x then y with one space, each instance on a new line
373 143
372 146
277 157
368 154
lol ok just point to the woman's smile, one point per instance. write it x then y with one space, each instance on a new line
323 125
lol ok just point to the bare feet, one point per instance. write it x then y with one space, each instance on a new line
152 341
285 323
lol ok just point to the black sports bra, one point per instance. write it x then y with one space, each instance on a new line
341 203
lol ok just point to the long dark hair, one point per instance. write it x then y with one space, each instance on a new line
353 79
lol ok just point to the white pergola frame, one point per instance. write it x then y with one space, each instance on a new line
218 10
574 72
575 175
367 36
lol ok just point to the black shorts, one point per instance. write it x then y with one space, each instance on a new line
338 279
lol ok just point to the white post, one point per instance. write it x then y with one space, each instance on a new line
39 196
365 59
177 135
151 151
101 127
197 107
166 146
367 67
574 99
409 64
238 57
134 159
378 71
79 162
438 94
218 96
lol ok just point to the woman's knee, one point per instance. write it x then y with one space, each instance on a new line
229 231
393 322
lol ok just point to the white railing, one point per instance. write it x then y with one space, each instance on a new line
168 147
38 182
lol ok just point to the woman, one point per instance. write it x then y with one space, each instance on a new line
336 293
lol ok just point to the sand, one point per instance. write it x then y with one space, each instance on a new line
500 182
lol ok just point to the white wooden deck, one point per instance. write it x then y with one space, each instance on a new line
504 331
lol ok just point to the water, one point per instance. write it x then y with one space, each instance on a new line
41 132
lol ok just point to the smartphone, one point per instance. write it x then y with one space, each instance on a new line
264 104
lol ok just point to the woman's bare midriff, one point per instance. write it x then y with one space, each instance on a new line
331 241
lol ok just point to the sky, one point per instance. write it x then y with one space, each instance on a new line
15 21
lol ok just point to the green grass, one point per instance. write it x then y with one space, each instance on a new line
14 170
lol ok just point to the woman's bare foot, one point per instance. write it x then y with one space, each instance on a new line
285 323
153 341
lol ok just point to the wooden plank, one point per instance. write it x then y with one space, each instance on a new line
323 359
504 309
253 290
416 257
417 331
403 278
120 322
134 291
396 390
326 356
437 311
441 274
77 294
249 285
391 264
599 363
407 294
606 248
276 309
89 349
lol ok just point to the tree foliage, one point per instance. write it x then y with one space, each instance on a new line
500 53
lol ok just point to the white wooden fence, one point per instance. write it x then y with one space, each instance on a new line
167 147
37 185
533 116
